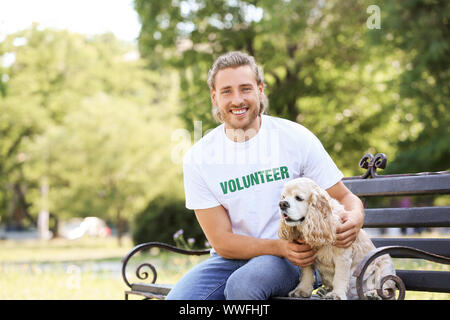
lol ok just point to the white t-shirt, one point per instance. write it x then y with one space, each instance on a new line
247 178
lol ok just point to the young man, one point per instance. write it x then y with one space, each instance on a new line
233 179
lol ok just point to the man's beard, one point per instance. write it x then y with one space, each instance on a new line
232 122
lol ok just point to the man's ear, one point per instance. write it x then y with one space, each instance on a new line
261 87
213 97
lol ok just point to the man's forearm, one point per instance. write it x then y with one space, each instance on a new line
236 246
354 207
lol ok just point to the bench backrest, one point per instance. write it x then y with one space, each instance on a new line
409 217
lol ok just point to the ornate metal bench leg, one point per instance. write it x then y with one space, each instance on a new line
391 293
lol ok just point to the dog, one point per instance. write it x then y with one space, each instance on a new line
309 213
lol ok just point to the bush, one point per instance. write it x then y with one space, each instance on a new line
162 218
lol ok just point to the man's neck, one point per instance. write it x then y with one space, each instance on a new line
243 134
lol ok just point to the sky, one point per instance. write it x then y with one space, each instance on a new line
82 16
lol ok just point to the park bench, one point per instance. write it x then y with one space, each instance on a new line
368 186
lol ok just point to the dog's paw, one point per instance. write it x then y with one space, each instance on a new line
322 291
333 295
372 295
300 293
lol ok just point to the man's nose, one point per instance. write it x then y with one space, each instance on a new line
284 204
237 100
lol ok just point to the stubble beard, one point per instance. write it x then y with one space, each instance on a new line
235 124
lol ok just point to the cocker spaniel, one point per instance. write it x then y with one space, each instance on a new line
309 213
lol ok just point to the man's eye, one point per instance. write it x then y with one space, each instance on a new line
298 198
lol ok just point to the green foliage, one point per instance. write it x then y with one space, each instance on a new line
323 69
420 30
161 220
85 115
97 122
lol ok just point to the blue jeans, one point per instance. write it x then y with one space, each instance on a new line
218 278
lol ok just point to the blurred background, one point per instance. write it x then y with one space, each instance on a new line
99 100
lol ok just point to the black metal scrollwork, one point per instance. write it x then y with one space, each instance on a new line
371 256
391 293
371 163
146 246
144 275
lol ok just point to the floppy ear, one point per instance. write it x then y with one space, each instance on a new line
318 228
321 201
286 232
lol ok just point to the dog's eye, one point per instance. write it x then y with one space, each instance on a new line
298 198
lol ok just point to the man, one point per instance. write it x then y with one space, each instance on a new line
233 180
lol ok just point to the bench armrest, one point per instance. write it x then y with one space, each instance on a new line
393 250
146 246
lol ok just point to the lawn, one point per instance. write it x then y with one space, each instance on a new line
91 269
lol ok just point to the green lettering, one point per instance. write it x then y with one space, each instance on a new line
268 175
232 185
238 185
276 174
261 176
284 172
224 187
246 181
254 178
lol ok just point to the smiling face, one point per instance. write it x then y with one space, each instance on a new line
295 201
238 97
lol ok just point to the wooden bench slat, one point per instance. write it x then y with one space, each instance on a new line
157 289
407 217
402 185
435 281
437 246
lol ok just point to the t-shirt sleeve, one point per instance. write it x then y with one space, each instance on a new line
319 166
197 193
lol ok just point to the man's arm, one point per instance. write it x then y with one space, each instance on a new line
353 217
217 227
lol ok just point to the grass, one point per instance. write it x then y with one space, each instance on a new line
61 269
89 268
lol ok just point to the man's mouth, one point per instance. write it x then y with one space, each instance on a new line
239 111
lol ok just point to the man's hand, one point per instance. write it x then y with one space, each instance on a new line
299 253
352 218
348 231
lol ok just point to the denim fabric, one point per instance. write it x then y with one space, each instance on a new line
218 278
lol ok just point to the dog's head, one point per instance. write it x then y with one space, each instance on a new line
306 206
294 201
298 197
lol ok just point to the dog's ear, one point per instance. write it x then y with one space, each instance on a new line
318 227
286 232
283 232
320 201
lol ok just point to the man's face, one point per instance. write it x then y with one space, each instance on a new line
238 96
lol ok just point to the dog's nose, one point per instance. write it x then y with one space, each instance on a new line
284 204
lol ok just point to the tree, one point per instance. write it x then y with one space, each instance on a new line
314 56
420 30
107 159
83 113
323 68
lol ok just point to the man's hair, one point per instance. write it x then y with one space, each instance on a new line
235 59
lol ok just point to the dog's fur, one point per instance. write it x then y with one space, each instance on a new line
309 213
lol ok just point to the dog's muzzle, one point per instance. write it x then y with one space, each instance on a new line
284 205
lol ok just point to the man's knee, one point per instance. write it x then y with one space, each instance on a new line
261 278
244 287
